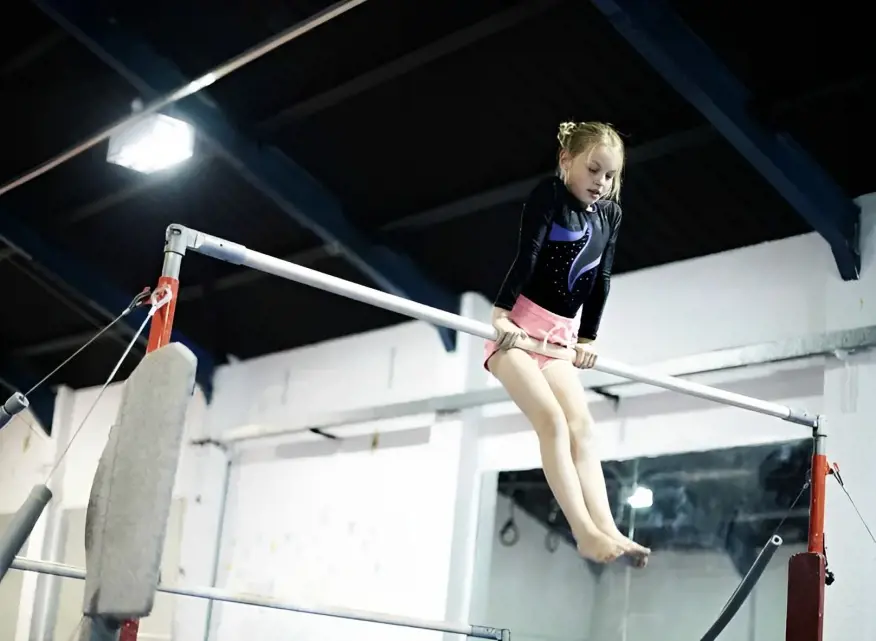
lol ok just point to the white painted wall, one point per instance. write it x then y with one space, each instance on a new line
750 295
375 368
770 291
26 454
367 523
364 528
851 553
537 594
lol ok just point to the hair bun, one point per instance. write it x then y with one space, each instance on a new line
565 131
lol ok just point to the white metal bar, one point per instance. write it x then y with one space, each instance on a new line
238 254
215 594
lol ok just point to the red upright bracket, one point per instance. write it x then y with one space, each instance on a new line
159 336
807 571
162 321
818 491
129 630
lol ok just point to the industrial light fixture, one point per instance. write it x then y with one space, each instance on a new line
152 143
640 498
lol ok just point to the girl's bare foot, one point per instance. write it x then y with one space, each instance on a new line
638 560
639 552
599 547
611 531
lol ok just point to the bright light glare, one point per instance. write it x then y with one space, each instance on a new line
641 498
154 143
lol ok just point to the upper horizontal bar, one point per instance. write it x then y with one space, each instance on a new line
240 255
216 594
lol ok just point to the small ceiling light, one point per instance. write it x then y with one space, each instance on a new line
153 143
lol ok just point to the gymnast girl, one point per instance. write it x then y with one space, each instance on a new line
555 291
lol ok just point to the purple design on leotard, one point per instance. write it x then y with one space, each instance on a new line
563 235
585 260
578 270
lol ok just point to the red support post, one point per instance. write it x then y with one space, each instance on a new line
159 336
820 471
129 630
807 571
162 322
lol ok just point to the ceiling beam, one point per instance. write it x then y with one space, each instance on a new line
93 286
394 69
266 168
684 61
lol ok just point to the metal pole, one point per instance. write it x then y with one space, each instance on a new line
162 322
744 588
217 543
818 489
215 594
160 332
188 89
238 254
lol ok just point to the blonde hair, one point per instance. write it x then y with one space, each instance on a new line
583 137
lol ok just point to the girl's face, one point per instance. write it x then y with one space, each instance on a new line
589 176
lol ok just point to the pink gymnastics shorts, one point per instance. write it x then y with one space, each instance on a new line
541 325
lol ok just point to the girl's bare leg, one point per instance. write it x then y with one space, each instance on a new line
528 388
563 379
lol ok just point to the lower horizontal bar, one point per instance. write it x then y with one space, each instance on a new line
216 594
239 255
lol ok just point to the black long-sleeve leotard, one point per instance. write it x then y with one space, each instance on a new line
564 255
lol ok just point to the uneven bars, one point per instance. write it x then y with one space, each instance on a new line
180 238
215 594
